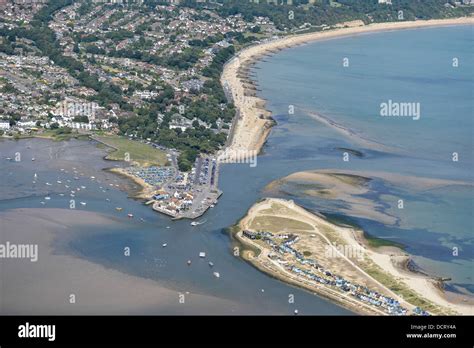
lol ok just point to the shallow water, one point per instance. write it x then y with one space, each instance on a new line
310 78
403 66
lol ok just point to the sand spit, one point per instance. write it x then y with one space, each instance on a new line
380 269
253 122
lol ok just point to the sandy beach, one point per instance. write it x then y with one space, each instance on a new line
146 191
26 287
254 122
382 269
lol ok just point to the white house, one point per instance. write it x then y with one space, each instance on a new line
4 125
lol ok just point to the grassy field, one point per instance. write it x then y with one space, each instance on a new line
277 224
133 151
59 135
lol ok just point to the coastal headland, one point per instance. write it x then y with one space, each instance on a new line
159 181
294 245
253 121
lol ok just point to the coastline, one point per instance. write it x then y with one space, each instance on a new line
100 290
385 268
254 122
145 191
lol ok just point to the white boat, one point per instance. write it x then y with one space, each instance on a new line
211 264
47 198
33 159
59 182
48 184
197 223
202 254
189 262
83 203
296 311
164 245
216 274
36 176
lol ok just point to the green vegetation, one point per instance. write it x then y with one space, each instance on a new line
375 242
402 290
46 41
60 134
133 151
277 224
331 12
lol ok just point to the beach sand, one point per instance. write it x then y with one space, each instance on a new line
386 260
254 122
44 287
145 192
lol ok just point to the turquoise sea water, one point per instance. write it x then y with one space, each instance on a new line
409 66
402 66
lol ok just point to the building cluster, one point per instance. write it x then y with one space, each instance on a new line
285 254
109 39
188 194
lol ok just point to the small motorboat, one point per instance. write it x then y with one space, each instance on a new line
211 264
189 262
217 275
202 254
119 209
83 203
130 215
164 245
197 223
